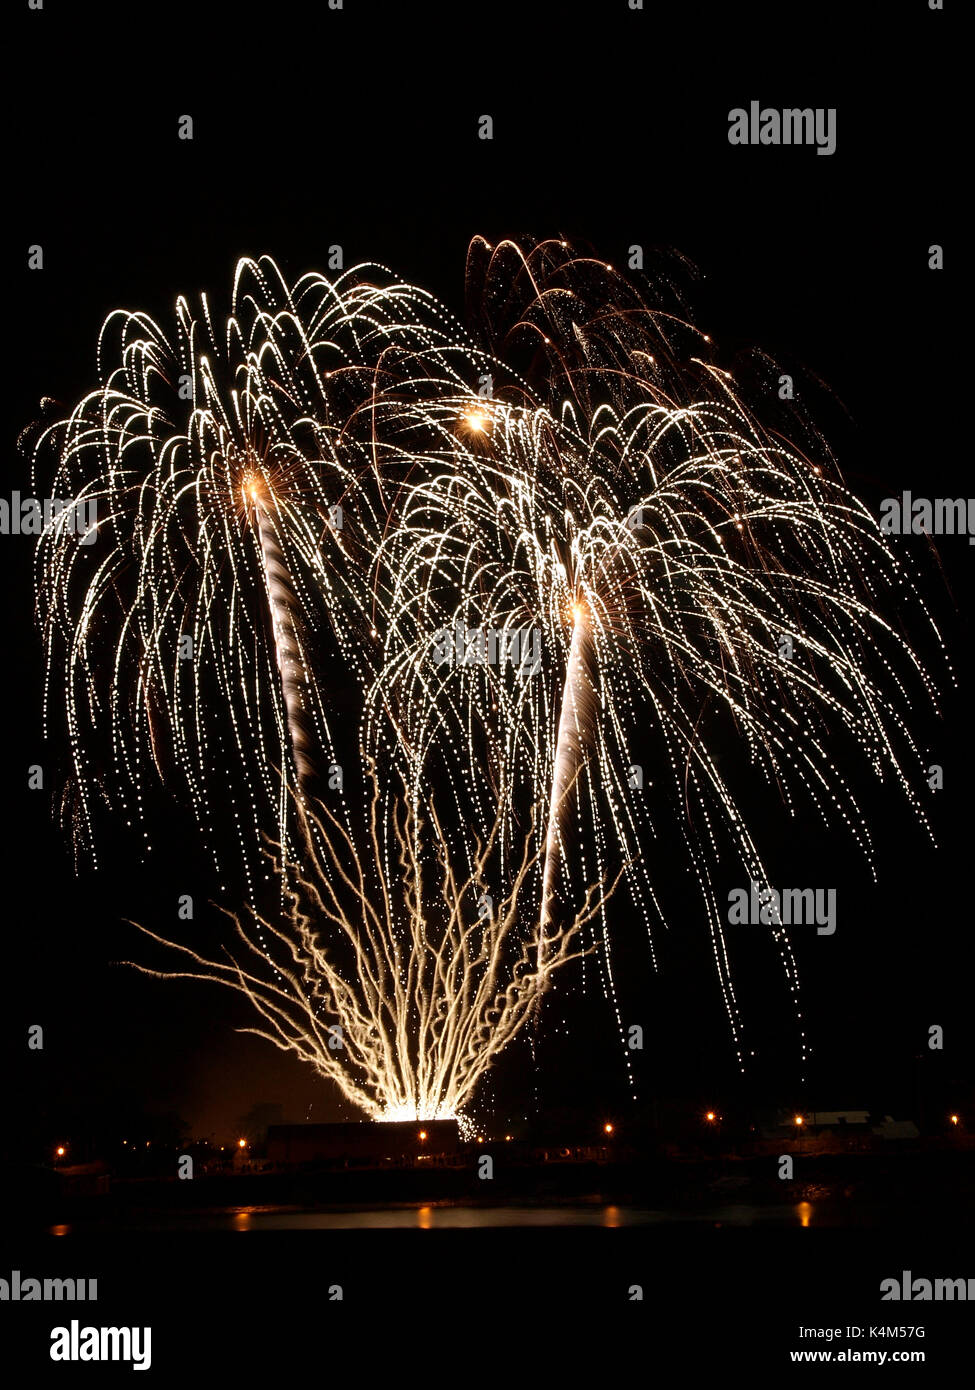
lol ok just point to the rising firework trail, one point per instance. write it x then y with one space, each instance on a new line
285 612
571 742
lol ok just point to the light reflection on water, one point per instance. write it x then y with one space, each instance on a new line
447 1217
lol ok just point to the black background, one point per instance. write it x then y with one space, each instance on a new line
359 127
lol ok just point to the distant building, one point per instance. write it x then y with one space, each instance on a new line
896 1129
363 1142
828 1119
783 1122
834 1131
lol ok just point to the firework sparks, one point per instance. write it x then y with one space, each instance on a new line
681 565
613 508
403 990
236 487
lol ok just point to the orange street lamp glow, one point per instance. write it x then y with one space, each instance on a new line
608 1128
800 1121
423 1134
710 1117
242 1143
954 1119
60 1151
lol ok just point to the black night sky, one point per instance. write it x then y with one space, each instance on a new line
358 127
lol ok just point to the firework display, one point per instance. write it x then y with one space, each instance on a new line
229 466
554 556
